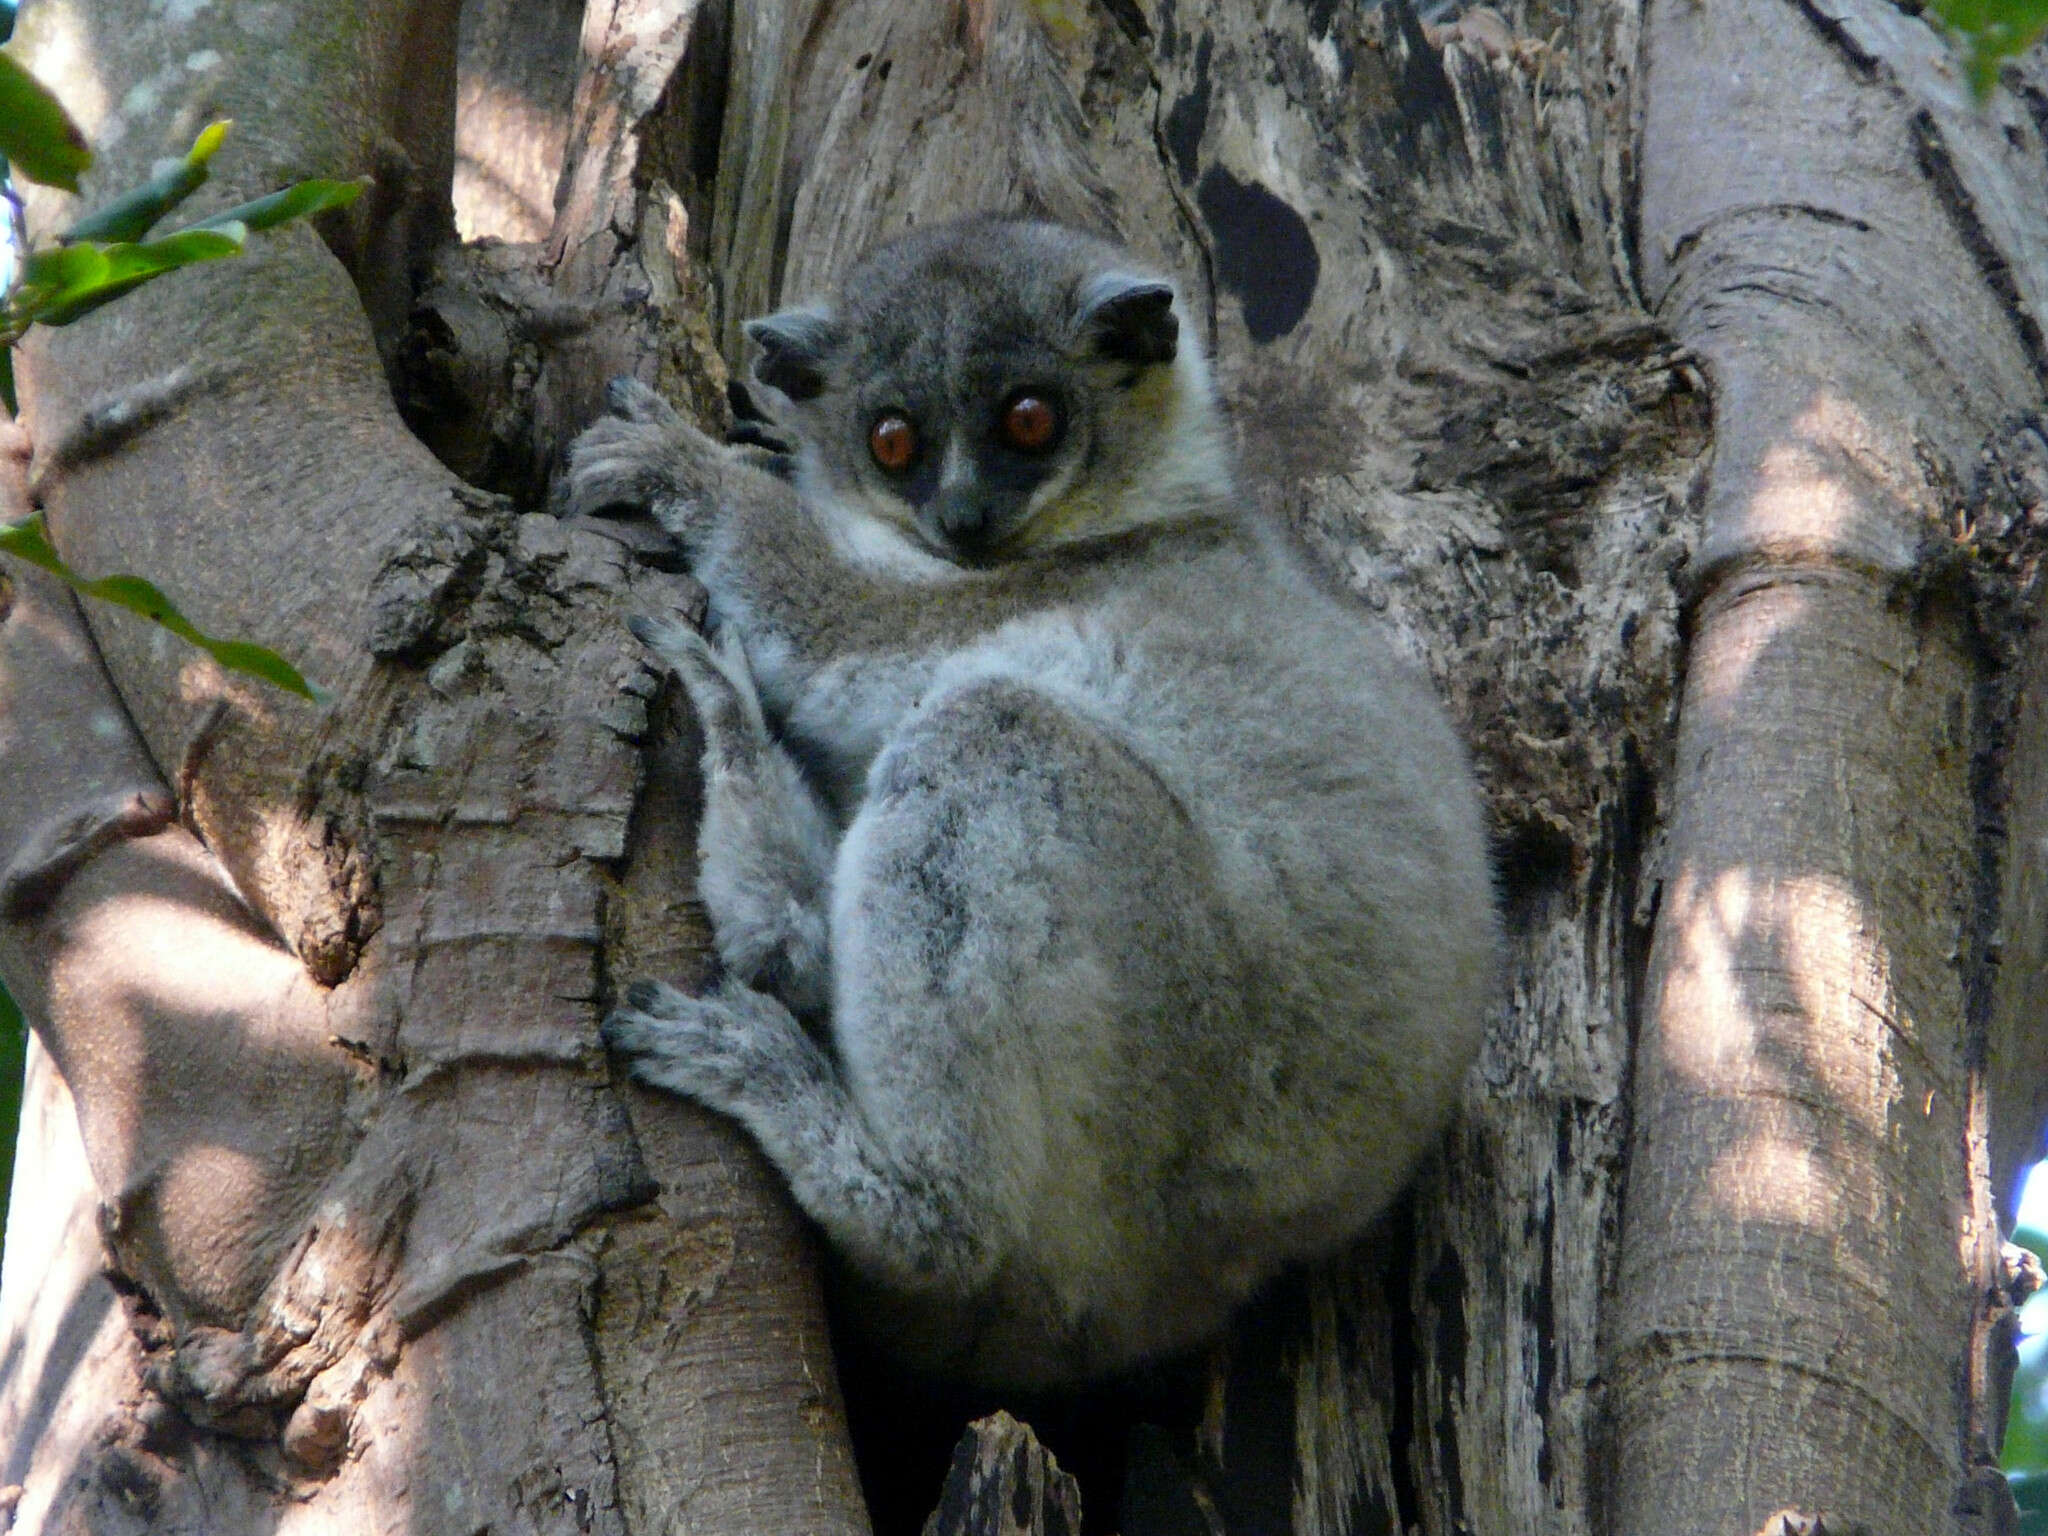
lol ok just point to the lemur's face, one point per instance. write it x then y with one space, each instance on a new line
961 421
982 410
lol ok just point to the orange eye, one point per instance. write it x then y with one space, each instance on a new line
1031 424
893 442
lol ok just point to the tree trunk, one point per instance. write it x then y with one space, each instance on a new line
1669 379
1811 1168
377 1211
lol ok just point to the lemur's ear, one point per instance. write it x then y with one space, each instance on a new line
1129 319
795 346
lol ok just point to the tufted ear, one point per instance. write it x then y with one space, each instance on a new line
1129 319
795 346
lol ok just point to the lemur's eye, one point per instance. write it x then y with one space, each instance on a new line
893 441
1031 423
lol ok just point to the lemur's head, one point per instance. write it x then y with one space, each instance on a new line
993 387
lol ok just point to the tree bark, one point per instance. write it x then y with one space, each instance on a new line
1810 1168
386 1253
1668 378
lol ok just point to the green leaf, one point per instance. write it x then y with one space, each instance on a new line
2024 1452
7 397
83 284
1990 32
36 133
64 282
134 214
58 267
29 540
300 200
167 253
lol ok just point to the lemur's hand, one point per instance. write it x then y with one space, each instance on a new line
643 455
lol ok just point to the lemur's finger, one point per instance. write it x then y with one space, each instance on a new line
626 396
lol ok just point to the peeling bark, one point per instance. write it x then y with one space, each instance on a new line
1003 1483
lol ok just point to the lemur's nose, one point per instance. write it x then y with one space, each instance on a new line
962 515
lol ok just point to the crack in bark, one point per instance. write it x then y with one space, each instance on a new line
1676 1347
1406 1366
2033 98
1689 241
1745 572
43 866
1836 31
1931 146
1198 234
2006 536
1128 19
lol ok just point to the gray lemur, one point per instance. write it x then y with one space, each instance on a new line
1140 887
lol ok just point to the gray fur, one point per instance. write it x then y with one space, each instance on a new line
1145 883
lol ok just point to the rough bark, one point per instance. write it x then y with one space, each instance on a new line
1669 379
374 1204
1002 1483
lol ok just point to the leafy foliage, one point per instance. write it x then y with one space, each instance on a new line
37 135
59 285
2025 1454
105 255
2030 1492
27 540
135 212
1990 32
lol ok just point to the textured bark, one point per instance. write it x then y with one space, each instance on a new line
1003 1483
1428 310
1670 380
375 1210
1810 1165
